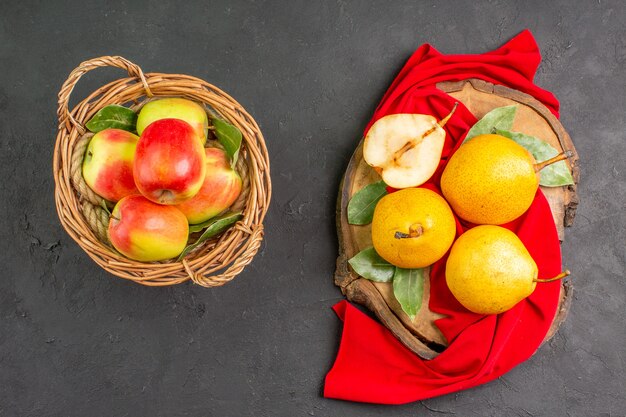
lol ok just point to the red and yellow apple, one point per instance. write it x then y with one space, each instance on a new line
174 108
108 164
170 163
146 231
221 187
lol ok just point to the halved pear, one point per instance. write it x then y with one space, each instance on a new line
405 149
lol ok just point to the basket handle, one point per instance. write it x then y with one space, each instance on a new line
63 112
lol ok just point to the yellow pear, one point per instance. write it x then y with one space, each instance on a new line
405 149
491 179
489 270
412 228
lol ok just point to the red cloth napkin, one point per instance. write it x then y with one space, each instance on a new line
372 365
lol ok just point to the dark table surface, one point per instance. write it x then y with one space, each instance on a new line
76 341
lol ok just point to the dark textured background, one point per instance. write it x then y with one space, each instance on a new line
75 341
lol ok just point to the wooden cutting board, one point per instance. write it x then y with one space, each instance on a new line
421 335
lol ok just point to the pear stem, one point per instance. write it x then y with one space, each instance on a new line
415 230
443 121
556 278
414 142
560 157
407 146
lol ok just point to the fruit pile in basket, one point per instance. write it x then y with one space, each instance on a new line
489 181
169 171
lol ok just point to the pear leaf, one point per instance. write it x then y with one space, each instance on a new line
362 204
214 227
498 118
370 265
408 288
554 175
230 138
113 116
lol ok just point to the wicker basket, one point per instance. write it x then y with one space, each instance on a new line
81 211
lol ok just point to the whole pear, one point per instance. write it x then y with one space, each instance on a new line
412 228
491 179
489 270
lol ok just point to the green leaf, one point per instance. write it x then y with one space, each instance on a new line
214 227
193 228
408 287
362 204
554 175
498 118
104 206
230 138
113 116
370 265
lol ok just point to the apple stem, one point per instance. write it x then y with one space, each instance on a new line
415 230
560 157
443 121
556 278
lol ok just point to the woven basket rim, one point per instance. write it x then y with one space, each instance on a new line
213 264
